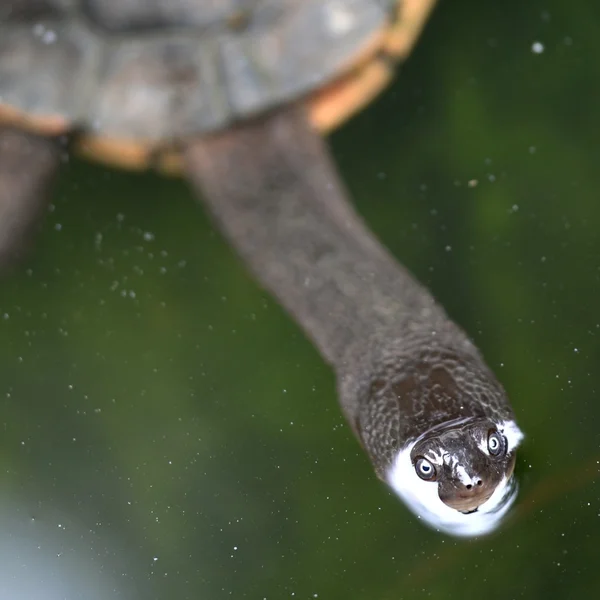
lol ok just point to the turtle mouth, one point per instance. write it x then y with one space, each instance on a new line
466 500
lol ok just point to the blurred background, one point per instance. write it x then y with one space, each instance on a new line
168 433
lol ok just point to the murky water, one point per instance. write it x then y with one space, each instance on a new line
167 431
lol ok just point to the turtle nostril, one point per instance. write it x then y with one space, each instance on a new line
470 486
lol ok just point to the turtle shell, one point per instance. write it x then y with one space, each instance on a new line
134 77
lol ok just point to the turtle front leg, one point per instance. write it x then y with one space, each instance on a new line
28 165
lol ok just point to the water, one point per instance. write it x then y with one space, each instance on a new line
167 431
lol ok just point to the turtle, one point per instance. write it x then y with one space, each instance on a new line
125 82
237 95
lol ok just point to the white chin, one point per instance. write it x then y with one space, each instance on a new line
422 498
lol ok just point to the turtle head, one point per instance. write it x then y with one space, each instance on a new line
440 431
459 476
467 461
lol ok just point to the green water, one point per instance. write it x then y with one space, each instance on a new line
168 432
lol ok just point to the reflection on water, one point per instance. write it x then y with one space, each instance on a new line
167 410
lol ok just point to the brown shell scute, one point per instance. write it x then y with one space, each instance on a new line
47 70
130 15
159 90
34 9
283 59
155 86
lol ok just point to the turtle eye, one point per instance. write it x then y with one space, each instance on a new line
495 444
425 469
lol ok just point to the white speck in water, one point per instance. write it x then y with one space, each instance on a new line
148 236
340 20
537 47
58 226
49 37
532 149
448 248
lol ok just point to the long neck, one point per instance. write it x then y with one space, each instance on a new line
402 366
275 193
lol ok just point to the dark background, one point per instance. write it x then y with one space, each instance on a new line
168 433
